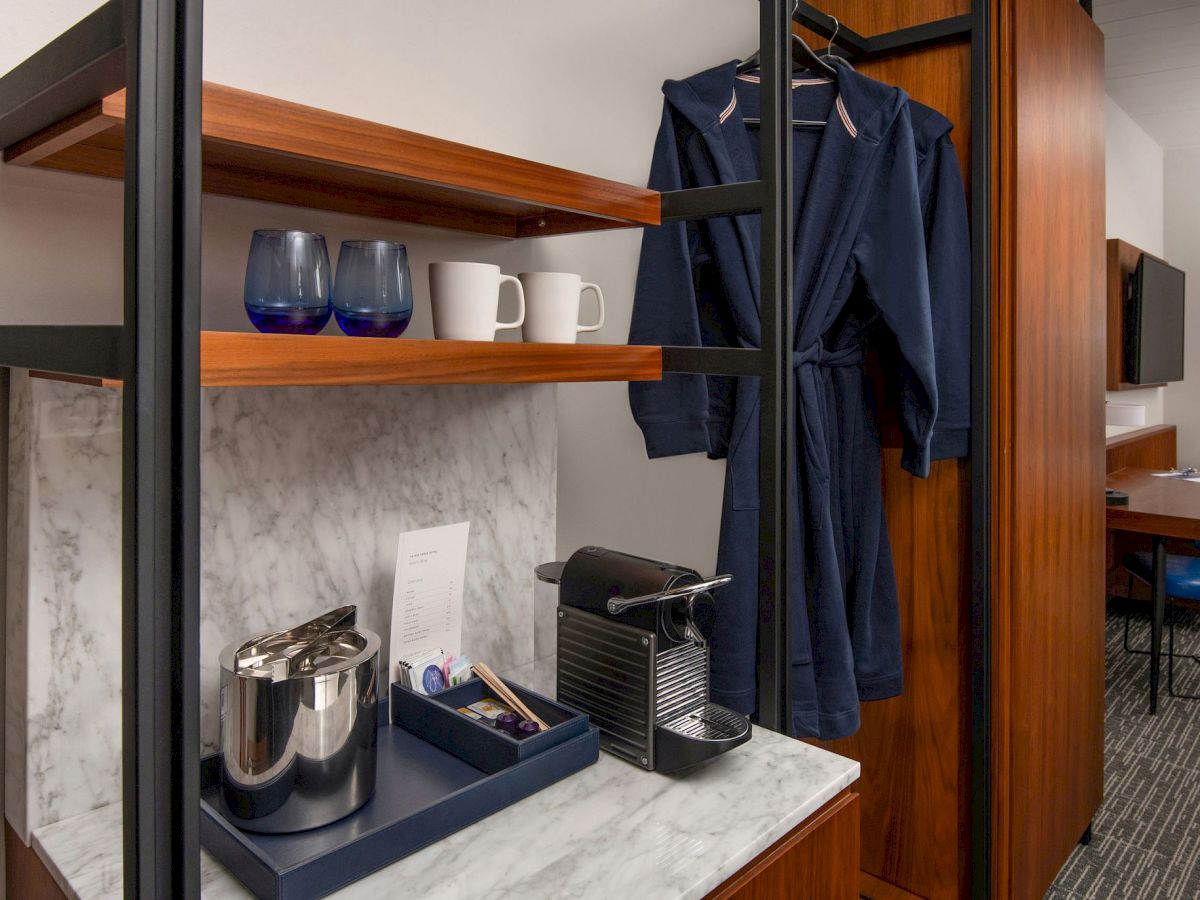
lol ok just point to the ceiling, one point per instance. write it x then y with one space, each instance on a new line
1152 65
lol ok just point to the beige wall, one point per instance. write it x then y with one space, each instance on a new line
570 84
1183 250
1134 213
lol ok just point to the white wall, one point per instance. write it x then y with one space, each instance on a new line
1134 207
1183 250
565 83
571 84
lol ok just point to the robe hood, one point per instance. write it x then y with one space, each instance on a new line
707 100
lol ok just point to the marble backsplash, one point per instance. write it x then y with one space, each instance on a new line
303 494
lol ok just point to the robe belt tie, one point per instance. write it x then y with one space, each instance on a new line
811 424
816 354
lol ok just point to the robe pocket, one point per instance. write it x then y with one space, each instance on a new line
742 474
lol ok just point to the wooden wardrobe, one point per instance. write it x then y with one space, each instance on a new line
1037 745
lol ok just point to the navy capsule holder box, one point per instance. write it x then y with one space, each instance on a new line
438 771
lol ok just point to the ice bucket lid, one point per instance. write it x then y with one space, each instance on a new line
333 651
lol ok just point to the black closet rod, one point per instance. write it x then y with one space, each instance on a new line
853 45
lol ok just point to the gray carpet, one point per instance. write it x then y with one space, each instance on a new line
1146 836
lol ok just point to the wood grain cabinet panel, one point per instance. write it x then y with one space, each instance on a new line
1147 448
1048 558
915 749
818 860
25 875
1048 353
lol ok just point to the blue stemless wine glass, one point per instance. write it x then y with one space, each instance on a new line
372 295
288 282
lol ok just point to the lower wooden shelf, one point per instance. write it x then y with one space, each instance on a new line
237 359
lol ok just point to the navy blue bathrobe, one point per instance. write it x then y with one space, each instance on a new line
881 254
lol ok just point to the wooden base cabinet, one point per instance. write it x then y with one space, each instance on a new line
1041 715
1047 624
818 860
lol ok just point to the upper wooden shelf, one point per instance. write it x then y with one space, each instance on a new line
247 359
262 148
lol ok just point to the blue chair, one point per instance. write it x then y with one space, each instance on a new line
1183 583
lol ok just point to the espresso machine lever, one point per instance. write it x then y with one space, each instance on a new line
618 605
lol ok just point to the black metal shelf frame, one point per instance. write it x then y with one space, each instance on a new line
153 47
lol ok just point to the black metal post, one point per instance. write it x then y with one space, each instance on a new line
824 24
776 426
918 37
85 62
852 45
90 350
713 360
709 202
981 448
1158 588
161 468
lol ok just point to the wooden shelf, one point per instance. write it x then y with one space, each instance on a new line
262 148
237 359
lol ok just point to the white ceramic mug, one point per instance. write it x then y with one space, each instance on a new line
552 302
465 297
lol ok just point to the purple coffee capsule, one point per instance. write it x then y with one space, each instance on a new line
507 722
527 728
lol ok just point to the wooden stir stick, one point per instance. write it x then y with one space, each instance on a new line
492 680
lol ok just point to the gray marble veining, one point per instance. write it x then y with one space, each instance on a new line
63 653
16 610
611 830
304 492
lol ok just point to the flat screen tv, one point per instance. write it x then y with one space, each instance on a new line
1154 323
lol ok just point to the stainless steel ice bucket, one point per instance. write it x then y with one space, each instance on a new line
298 724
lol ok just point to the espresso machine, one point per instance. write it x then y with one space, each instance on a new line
633 654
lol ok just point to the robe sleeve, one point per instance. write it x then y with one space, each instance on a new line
948 246
672 413
891 258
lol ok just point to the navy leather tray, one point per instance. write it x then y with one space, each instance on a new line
422 794
481 743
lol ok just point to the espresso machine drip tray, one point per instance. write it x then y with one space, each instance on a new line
709 723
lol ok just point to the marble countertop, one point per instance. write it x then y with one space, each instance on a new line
611 830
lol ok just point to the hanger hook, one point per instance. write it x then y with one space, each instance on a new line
837 26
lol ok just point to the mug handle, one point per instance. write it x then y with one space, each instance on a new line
501 326
588 286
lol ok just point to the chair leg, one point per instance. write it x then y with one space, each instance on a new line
1129 596
1126 639
1171 614
1170 652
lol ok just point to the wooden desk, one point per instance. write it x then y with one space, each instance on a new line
1162 508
